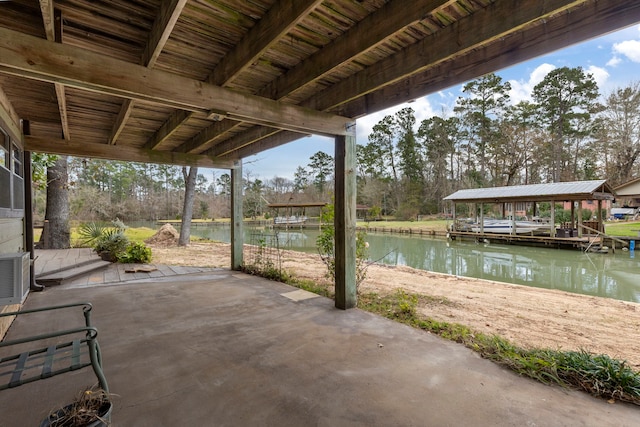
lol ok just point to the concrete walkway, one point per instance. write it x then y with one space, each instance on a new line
229 349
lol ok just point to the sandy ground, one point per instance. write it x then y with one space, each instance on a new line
529 317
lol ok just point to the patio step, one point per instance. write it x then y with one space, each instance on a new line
71 272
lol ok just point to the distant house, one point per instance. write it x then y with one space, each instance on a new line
628 194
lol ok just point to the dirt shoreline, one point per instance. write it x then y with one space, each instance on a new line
529 317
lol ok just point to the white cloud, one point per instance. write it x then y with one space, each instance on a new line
628 48
613 62
521 89
600 75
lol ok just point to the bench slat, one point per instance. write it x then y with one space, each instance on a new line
17 372
48 362
75 358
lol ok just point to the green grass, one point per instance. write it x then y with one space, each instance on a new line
435 224
629 229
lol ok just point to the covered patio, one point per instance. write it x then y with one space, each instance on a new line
207 84
228 349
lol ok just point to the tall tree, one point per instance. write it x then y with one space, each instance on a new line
480 112
411 161
56 233
187 209
566 98
620 133
384 136
438 138
300 179
321 167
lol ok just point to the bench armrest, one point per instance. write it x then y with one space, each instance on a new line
86 310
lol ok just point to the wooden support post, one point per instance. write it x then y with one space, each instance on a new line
453 217
237 237
345 220
481 218
579 218
553 219
599 217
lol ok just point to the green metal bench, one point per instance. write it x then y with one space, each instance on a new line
53 359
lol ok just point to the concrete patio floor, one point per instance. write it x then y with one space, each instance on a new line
227 349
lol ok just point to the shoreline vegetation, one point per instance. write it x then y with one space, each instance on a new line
578 341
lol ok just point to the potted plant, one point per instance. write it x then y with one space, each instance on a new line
111 244
92 408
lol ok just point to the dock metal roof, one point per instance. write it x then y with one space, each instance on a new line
575 190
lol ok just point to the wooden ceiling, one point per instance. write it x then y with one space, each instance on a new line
209 82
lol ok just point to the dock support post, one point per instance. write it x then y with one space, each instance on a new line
553 219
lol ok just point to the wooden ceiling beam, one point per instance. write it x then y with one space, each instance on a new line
175 120
591 19
9 116
250 136
372 31
276 139
124 153
52 20
490 23
276 23
34 58
162 27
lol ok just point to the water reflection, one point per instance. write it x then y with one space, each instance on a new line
614 276
607 275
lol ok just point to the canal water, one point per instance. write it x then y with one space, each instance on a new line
606 275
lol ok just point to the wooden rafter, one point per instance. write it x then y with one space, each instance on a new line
176 119
129 154
374 30
371 32
278 21
31 57
587 20
436 55
162 27
53 29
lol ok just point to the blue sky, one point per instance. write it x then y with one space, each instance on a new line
613 59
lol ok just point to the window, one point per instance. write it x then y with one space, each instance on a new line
11 176
17 160
4 151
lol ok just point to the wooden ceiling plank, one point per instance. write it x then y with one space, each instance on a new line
31 57
592 19
131 154
372 31
176 119
496 20
276 23
162 27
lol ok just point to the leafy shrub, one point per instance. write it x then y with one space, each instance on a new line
135 253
